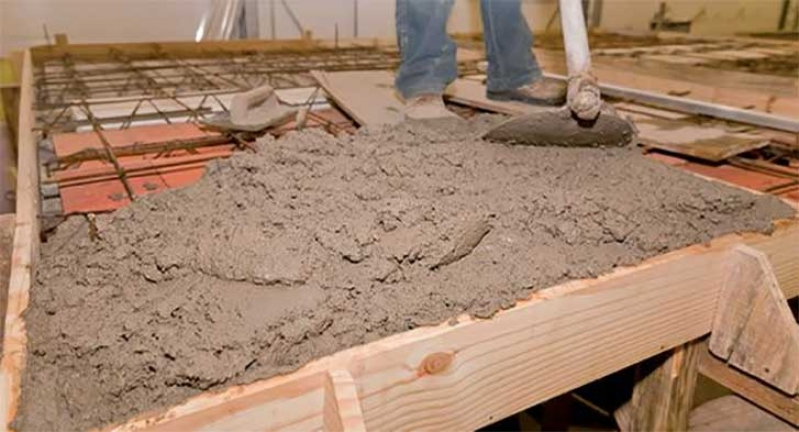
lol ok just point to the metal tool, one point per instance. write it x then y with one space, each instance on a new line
585 121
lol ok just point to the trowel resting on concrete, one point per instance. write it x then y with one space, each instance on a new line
585 121
252 111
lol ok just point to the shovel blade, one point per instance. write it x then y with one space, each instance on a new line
558 127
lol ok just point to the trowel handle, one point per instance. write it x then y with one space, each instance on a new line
583 96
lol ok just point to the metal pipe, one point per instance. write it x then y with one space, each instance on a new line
583 95
786 4
355 18
692 106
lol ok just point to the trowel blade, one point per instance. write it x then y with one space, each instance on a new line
558 127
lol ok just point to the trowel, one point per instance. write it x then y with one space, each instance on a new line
585 121
252 111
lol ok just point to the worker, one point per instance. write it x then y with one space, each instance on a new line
429 63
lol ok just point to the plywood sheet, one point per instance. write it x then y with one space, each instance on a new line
367 96
706 142
473 93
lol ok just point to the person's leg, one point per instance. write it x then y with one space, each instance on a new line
513 71
428 53
508 43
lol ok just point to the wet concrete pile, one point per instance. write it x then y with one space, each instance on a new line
317 243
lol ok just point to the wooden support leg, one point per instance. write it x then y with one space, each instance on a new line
764 396
342 411
754 329
663 398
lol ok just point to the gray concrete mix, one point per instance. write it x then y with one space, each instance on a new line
316 244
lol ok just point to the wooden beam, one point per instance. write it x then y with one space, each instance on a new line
754 329
26 241
663 398
178 49
470 374
762 395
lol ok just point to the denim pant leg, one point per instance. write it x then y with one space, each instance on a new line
428 53
508 43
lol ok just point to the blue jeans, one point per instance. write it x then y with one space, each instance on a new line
428 53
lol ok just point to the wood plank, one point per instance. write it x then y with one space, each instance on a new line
663 398
484 370
342 410
754 329
768 398
707 141
472 93
675 59
730 413
180 49
7 222
26 240
367 96
649 111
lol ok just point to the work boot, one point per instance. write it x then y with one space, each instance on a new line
543 91
428 106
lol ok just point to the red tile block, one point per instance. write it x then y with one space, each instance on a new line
108 193
735 175
667 159
69 143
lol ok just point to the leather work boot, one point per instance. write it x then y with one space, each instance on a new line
427 106
543 91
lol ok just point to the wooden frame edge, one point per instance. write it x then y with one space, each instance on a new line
26 240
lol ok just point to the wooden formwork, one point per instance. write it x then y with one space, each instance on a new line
447 377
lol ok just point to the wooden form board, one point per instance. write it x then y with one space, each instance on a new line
367 96
451 376
26 240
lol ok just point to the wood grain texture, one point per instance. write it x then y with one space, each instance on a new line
754 329
367 96
663 398
24 251
764 396
342 409
473 93
731 413
706 142
7 223
484 370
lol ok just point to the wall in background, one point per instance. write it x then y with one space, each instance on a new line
22 22
709 17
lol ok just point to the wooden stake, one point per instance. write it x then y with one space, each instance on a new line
754 329
662 400
342 409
